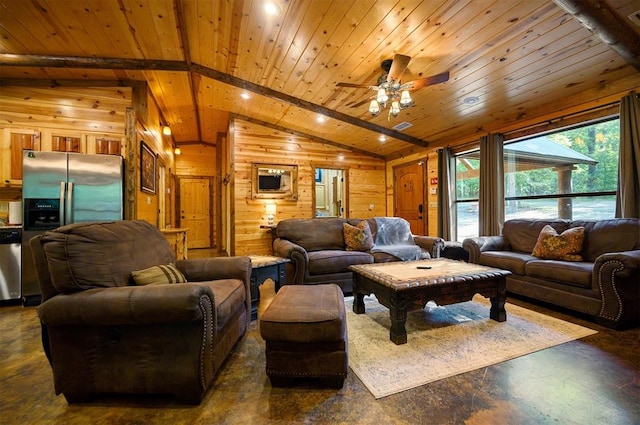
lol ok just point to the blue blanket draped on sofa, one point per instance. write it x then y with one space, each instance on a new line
394 237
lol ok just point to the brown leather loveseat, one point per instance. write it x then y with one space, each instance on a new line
318 253
605 284
103 333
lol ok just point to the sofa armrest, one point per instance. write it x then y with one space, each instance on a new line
474 246
214 268
298 268
617 276
432 244
128 305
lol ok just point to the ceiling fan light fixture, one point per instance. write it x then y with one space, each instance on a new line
383 97
391 90
374 107
395 108
405 99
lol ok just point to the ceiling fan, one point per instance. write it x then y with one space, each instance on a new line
391 89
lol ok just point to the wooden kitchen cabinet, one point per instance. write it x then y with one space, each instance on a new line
14 141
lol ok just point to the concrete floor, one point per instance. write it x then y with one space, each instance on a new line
595 380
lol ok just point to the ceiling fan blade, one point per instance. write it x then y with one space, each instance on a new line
362 102
355 86
398 67
429 81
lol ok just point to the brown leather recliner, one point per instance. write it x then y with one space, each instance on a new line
104 334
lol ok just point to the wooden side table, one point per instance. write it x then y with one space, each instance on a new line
265 267
177 238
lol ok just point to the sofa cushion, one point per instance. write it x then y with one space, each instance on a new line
357 238
565 246
507 260
228 296
157 275
575 273
336 261
522 234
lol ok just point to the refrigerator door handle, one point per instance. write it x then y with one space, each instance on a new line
69 218
62 208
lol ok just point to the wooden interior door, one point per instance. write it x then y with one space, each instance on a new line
195 211
409 196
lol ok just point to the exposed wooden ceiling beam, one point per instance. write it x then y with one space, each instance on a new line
598 17
265 91
7 59
45 61
26 82
182 25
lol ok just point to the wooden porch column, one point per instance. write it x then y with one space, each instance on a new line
565 205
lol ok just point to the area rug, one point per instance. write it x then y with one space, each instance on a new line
444 341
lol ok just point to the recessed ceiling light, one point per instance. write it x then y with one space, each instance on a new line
272 8
471 100
382 138
320 119
245 96
341 157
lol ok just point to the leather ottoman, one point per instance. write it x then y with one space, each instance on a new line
305 330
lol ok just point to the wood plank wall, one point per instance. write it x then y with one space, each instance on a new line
148 130
254 143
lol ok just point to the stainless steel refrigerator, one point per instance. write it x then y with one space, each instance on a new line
61 188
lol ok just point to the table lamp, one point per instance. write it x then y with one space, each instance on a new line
271 212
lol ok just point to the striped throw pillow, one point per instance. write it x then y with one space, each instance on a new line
157 275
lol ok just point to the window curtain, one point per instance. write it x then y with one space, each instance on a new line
446 195
628 191
491 199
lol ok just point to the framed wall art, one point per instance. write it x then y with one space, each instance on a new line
147 169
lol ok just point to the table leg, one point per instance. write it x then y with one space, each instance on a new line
398 314
282 277
498 312
255 295
358 298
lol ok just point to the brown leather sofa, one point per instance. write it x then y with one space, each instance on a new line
605 285
104 334
317 250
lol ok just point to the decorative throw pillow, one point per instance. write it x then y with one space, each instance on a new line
566 246
358 238
156 275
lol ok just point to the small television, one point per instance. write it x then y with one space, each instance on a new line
269 182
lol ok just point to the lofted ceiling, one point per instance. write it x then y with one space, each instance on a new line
521 60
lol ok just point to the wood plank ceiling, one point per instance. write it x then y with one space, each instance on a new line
524 60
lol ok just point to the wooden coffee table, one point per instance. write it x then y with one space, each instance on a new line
406 286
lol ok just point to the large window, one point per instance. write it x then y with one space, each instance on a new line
569 174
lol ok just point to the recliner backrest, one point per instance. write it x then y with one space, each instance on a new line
92 255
